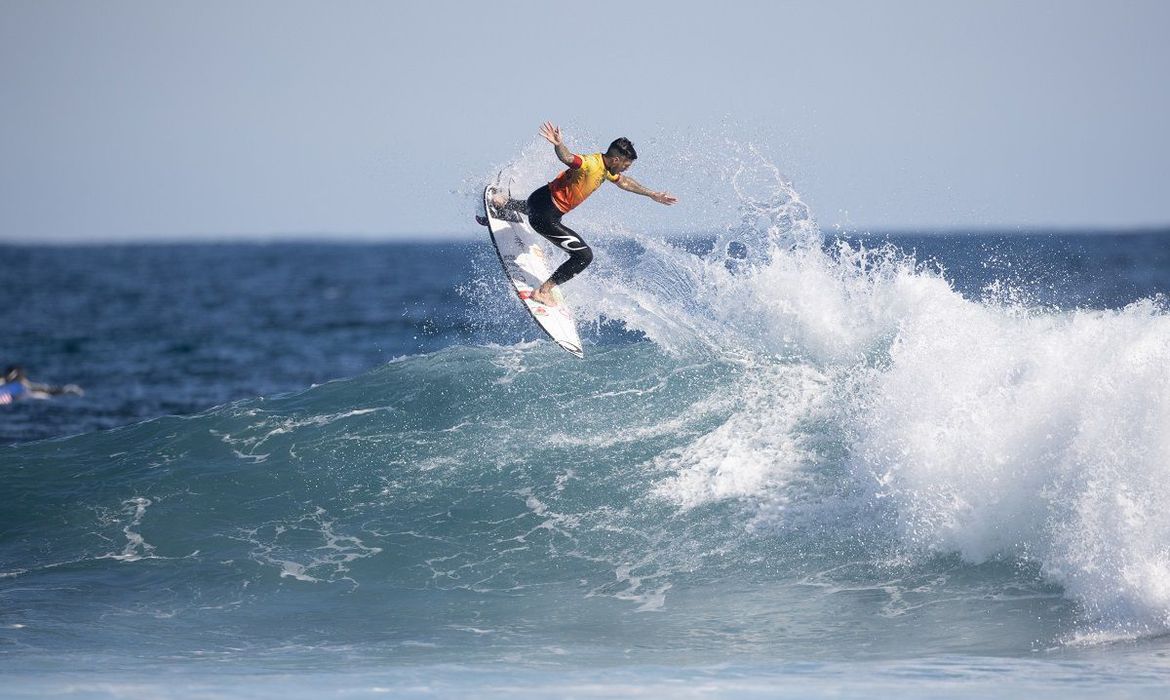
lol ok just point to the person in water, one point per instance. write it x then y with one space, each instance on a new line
581 178
16 385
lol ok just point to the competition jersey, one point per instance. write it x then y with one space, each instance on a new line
578 181
10 391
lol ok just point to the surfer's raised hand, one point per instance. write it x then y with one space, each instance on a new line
664 198
552 133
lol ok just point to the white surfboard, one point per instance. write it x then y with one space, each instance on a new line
523 258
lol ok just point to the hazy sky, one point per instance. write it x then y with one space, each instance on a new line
144 120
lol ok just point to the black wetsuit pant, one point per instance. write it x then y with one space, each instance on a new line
546 220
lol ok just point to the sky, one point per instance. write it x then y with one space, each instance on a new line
141 121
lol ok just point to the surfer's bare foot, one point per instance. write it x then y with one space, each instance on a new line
544 295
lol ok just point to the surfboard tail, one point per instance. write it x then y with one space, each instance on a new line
573 349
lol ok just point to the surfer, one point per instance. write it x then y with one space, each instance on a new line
581 178
16 385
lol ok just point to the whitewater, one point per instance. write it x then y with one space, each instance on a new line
791 464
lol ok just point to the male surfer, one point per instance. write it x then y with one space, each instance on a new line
548 204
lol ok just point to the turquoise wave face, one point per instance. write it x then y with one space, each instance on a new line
486 503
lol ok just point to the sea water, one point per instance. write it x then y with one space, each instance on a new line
793 463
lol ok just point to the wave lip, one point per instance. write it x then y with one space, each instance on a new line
1043 437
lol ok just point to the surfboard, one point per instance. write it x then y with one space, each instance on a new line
526 267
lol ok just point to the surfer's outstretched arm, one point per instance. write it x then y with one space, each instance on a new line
629 184
552 133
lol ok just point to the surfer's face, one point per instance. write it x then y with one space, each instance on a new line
617 164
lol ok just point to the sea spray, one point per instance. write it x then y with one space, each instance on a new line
979 426
1004 434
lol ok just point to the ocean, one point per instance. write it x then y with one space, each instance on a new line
792 464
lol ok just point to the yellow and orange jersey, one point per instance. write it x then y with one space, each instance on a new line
579 180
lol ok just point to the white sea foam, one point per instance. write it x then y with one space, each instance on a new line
1043 437
136 547
328 561
758 449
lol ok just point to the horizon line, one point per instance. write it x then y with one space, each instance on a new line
454 237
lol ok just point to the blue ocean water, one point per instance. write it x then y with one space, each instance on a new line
792 464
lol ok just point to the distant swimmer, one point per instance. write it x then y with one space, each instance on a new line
548 204
16 386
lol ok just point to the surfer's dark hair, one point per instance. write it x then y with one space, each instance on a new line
622 147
